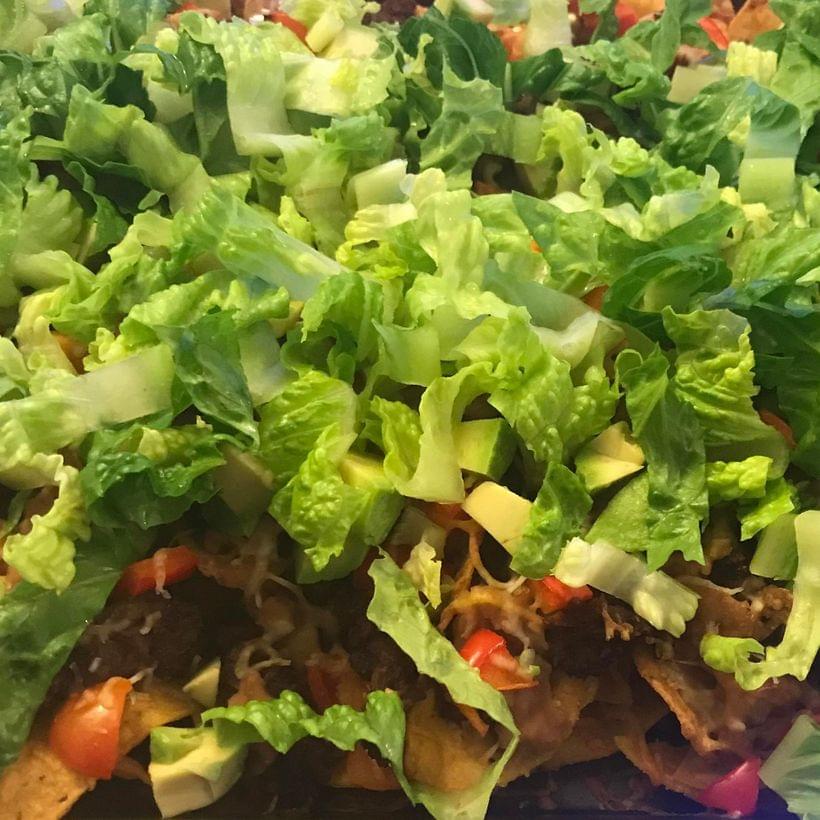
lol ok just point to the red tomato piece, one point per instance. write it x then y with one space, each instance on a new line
487 651
556 595
716 30
85 733
626 17
165 566
299 29
782 427
735 792
480 645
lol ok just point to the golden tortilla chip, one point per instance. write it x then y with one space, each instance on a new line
156 705
690 692
439 753
39 786
593 737
674 767
754 18
546 715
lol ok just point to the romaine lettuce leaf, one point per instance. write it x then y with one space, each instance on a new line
283 721
557 515
733 480
671 437
714 374
317 507
147 476
292 422
755 514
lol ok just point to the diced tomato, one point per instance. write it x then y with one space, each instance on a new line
165 566
555 595
717 31
595 298
735 792
480 646
85 733
782 427
535 247
626 17
487 651
299 29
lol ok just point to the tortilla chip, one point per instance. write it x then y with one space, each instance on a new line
546 716
756 17
690 692
39 786
156 705
674 767
593 737
439 753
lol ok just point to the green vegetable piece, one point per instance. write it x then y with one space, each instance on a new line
485 446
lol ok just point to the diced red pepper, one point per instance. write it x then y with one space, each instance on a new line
487 651
554 595
716 30
85 733
164 567
782 427
299 29
735 792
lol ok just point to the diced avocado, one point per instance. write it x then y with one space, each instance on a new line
689 81
364 472
353 41
204 685
190 769
623 521
383 507
609 457
245 484
485 446
770 180
776 553
501 512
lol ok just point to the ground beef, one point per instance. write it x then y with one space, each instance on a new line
171 635
394 11
576 638
374 655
